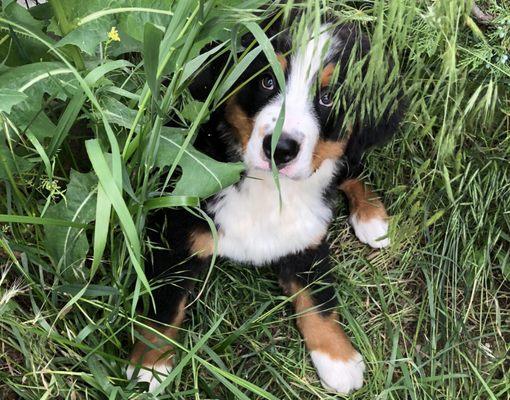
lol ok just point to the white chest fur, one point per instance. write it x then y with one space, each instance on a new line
253 228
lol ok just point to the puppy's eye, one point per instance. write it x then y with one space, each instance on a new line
326 99
267 82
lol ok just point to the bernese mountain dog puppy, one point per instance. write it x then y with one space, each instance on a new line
259 224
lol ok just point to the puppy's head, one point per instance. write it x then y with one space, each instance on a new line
314 65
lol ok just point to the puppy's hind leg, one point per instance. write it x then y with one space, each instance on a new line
152 357
368 216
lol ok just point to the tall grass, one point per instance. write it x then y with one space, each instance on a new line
85 145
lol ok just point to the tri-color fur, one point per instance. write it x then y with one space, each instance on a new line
315 156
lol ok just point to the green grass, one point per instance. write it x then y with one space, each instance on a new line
431 314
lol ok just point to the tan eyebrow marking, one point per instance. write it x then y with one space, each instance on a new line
282 60
327 74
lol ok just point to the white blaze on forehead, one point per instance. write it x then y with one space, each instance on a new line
304 66
301 122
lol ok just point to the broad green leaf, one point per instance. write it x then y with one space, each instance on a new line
53 78
94 18
9 98
68 246
20 46
87 37
201 175
191 110
21 15
12 164
118 113
35 80
133 22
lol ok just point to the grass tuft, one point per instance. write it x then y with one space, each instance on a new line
84 145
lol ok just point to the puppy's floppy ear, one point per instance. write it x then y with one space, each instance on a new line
202 83
369 130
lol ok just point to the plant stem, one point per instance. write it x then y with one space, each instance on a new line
66 27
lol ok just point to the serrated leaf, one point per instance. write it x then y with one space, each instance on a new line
133 22
35 80
191 110
11 164
22 47
93 19
9 98
68 246
118 113
54 78
87 37
201 175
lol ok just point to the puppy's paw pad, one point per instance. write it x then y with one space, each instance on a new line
372 232
153 376
339 376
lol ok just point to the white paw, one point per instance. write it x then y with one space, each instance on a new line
371 231
153 376
339 376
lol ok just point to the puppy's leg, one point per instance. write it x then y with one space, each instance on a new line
339 366
152 357
368 216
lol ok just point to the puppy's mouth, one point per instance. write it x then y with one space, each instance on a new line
287 170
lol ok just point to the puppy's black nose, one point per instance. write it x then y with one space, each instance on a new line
286 150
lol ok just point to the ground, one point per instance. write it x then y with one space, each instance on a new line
430 314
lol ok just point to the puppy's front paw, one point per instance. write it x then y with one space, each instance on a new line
153 376
338 375
371 231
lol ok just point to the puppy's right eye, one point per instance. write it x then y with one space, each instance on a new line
267 82
326 100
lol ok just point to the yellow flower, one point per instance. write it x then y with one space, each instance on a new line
114 34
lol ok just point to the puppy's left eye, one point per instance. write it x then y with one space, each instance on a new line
326 99
267 82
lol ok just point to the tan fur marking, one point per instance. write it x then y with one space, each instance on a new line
322 334
201 244
325 149
161 352
282 60
327 74
242 124
362 201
